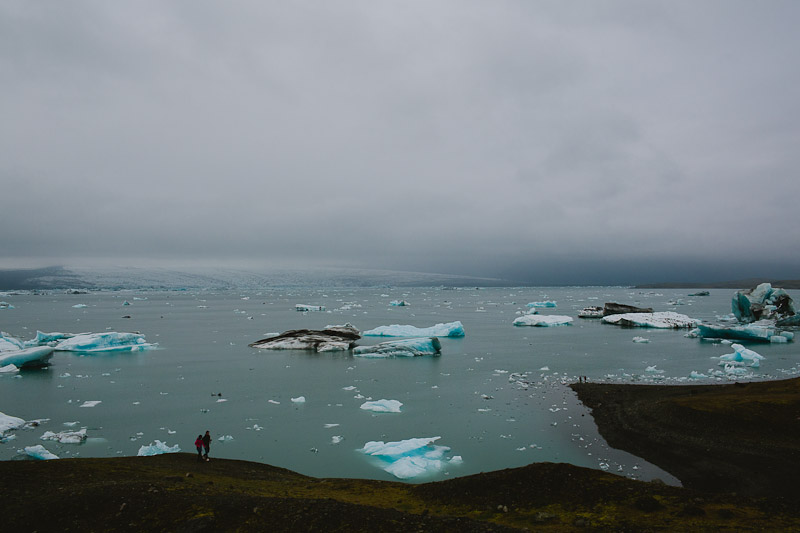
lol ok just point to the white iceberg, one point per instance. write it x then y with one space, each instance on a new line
299 399
659 320
641 340
8 369
157 449
9 344
591 312
8 422
450 329
91 403
39 452
409 458
741 356
382 406
543 320
28 357
80 306
306 307
111 341
66 437
547 303
401 348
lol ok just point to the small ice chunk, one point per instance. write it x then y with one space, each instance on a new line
80 306
157 448
66 437
382 406
40 452
91 403
398 303
8 369
336 439
328 426
641 340
299 399
225 438
697 375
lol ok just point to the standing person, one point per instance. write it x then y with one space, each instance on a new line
198 443
206 444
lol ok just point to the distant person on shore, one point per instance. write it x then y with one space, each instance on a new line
206 444
198 443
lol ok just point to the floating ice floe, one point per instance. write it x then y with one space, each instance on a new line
306 307
39 452
450 329
157 449
332 338
66 437
761 331
6 305
91 403
111 341
299 399
8 369
591 312
382 406
660 320
641 340
27 357
543 320
409 458
398 303
225 438
80 306
547 303
741 356
401 348
8 422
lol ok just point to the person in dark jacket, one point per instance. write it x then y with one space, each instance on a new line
198 443
206 444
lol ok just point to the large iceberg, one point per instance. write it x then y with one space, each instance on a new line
762 302
660 320
741 356
409 458
401 348
450 329
8 422
382 406
547 303
28 357
39 452
612 308
543 320
762 331
157 449
332 338
111 341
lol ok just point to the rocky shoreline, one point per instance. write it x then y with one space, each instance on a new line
734 447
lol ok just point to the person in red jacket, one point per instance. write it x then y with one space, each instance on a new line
198 443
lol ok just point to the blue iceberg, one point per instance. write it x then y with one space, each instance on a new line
762 302
40 452
758 332
547 303
450 329
741 356
111 341
409 458
401 348
157 449
27 358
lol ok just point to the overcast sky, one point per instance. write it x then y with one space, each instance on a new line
561 142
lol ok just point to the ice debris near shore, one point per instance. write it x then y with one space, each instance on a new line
66 437
450 329
111 341
762 302
157 449
401 348
332 338
659 320
382 406
741 356
39 452
410 458
543 320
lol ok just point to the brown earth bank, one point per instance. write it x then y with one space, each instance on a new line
175 492
741 438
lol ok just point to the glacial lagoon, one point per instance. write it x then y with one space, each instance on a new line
497 397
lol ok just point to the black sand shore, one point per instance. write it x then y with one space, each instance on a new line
733 446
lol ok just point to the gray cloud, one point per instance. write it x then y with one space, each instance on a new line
548 140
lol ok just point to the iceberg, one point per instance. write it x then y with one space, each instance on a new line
547 303
8 423
28 357
696 375
305 307
591 312
611 308
450 329
46 338
760 302
741 357
401 348
409 458
157 449
382 406
336 338
701 293
8 369
6 305
762 331
111 341
39 452
660 320
9 344
543 320
398 303
66 437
